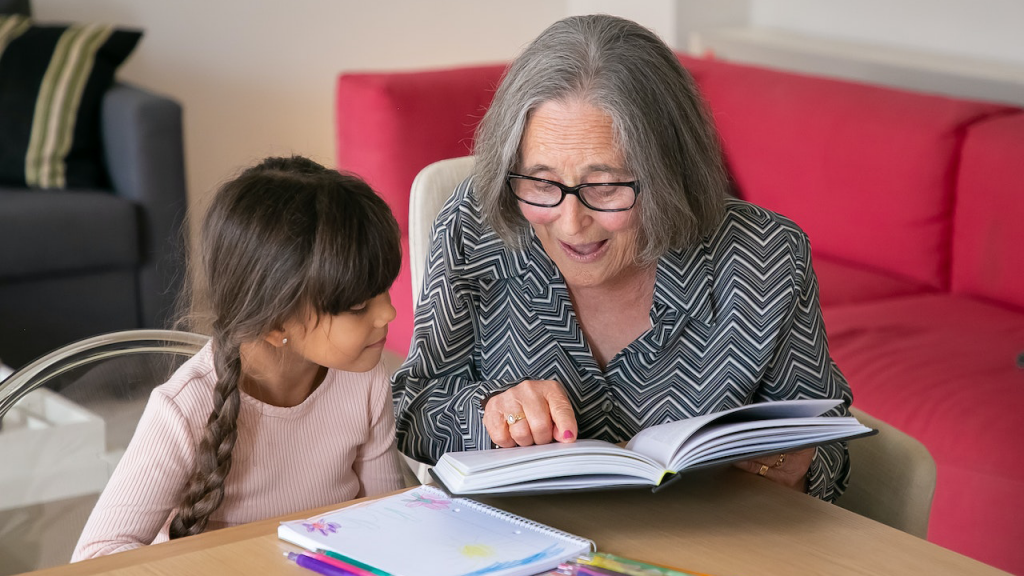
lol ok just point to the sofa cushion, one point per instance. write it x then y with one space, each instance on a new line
943 368
53 231
15 7
840 283
389 124
43 313
51 81
403 295
868 172
988 237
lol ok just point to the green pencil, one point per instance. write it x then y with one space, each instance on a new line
353 562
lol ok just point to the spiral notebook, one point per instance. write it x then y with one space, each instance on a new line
425 532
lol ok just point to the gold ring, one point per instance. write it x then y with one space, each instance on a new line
764 470
513 418
782 458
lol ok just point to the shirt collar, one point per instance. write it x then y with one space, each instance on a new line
683 293
683 285
536 269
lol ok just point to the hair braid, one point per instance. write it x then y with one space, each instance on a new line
205 490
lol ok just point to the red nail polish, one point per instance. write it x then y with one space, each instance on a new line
567 435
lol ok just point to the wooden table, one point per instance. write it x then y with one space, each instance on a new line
722 522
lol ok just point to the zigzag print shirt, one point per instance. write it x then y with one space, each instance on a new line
735 320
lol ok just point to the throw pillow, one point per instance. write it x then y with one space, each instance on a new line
52 80
15 7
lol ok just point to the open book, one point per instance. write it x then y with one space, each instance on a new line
655 456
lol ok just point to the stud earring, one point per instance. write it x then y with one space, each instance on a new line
284 341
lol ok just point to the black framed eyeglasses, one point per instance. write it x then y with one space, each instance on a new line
598 196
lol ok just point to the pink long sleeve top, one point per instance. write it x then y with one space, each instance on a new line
335 446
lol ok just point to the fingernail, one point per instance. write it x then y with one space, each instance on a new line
567 435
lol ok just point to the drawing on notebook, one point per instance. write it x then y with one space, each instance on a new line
427 502
553 551
321 526
477 551
484 551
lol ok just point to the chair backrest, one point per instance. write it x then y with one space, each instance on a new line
430 190
892 478
65 421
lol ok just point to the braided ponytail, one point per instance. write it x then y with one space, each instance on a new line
205 490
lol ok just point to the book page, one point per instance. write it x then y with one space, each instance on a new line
755 434
779 440
484 471
477 461
563 483
662 442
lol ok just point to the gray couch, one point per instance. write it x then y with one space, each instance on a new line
76 263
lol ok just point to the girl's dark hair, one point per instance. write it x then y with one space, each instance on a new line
285 238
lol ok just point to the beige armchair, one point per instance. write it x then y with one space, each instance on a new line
892 478
430 189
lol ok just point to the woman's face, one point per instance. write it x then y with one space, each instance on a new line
573 143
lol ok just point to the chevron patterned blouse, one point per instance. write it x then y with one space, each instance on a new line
735 320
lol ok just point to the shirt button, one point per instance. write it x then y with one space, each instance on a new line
607 406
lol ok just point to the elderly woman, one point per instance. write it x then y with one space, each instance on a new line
593 278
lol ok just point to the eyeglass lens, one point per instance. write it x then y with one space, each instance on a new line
597 197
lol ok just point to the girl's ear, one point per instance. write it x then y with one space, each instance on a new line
276 338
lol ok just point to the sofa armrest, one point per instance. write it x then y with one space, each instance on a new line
144 151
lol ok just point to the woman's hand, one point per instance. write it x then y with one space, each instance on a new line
540 411
789 469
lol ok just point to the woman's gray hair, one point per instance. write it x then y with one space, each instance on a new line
660 120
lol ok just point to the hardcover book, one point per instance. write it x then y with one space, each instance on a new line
654 457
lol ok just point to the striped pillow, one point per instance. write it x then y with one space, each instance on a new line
52 80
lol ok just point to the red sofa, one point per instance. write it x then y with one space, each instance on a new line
914 205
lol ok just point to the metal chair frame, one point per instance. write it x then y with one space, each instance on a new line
74 355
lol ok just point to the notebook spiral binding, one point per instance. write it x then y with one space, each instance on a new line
515 519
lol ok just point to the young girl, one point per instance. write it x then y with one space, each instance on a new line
289 406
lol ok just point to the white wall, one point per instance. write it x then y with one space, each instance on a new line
982 29
257 77
658 15
957 48
698 15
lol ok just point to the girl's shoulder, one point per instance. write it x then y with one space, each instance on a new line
191 385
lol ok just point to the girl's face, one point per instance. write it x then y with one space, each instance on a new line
573 143
351 341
